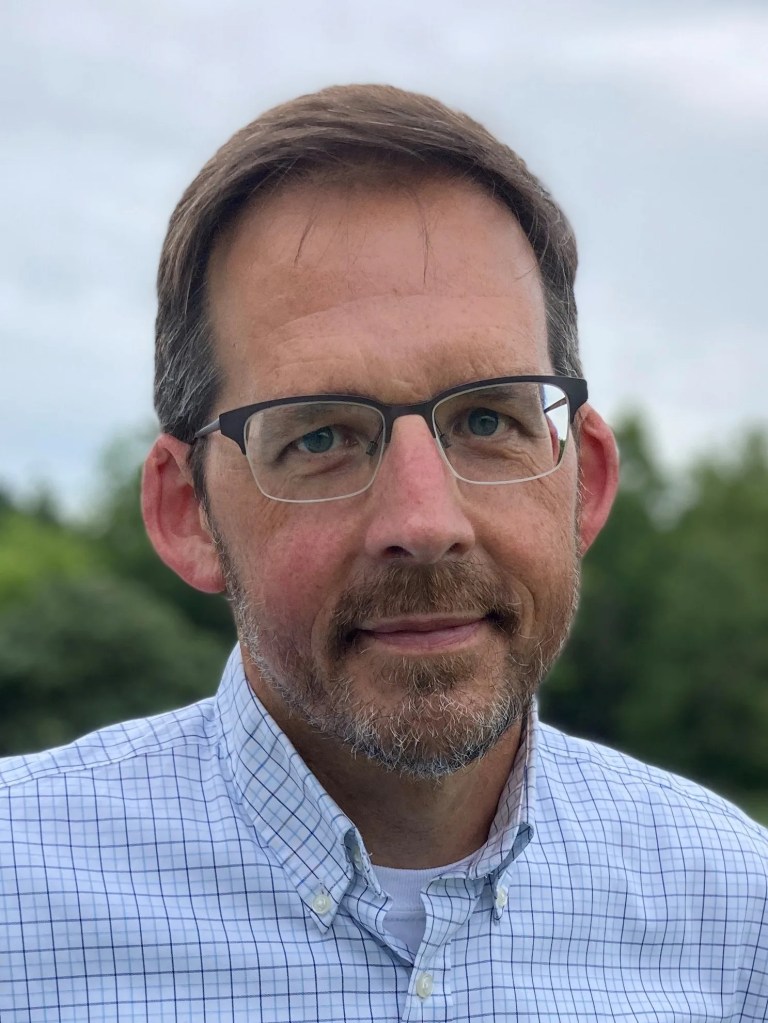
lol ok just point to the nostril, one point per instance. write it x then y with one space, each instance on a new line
396 552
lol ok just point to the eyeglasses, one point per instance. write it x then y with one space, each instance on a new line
323 447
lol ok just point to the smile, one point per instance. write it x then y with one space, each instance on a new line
423 634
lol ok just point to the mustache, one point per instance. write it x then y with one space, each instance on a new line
399 591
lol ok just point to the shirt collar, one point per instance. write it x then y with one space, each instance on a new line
282 799
513 826
309 834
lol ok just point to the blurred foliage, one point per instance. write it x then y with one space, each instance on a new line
668 659
706 656
79 653
94 629
669 655
587 689
35 550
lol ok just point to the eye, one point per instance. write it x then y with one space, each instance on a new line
318 441
480 422
483 422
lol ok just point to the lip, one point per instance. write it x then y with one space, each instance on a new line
423 633
419 623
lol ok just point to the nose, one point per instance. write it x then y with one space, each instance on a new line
417 508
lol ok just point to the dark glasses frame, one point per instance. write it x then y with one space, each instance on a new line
232 424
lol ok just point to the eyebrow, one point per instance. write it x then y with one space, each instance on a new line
347 392
344 391
302 413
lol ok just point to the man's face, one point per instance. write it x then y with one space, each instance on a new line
414 621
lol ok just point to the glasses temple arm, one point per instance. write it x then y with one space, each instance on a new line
206 430
557 404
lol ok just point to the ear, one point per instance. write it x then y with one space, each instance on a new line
174 518
598 474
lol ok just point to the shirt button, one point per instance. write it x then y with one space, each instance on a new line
424 985
501 897
322 903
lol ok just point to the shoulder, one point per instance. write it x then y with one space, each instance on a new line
113 793
645 805
122 748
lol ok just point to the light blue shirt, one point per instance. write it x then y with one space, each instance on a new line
189 867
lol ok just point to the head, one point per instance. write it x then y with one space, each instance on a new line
369 241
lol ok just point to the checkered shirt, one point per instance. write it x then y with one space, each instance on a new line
189 867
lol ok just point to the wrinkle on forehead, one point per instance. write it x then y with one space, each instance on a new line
349 190
435 283
295 232
434 344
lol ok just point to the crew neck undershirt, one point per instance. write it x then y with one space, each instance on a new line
406 918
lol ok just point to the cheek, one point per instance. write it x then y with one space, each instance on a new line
301 571
530 516
292 561
531 535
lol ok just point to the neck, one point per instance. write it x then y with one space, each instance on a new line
413 823
406 822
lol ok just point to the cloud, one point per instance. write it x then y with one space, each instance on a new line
646 118
716 62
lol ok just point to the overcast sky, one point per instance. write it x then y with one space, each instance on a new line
649 122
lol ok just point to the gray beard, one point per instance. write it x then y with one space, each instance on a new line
434 730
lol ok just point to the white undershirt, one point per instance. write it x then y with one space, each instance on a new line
406 917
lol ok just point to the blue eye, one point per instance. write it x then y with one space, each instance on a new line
483 422
318 442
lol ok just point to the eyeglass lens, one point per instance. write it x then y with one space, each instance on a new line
319 451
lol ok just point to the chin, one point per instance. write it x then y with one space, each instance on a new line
420 717
431 735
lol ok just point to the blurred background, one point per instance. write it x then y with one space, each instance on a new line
648 122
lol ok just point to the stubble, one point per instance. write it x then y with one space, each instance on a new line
440 713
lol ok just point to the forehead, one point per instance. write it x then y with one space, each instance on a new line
396 292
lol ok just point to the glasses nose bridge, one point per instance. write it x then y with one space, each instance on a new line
392 413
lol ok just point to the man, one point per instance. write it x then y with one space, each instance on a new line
376 439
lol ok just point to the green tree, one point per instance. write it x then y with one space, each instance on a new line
76 654
669 654
598 670
93 627
702 707
35 550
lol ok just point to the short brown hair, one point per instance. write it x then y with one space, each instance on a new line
342 129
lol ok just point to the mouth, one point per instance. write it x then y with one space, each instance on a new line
420 634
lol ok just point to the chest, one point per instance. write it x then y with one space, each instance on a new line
234 941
